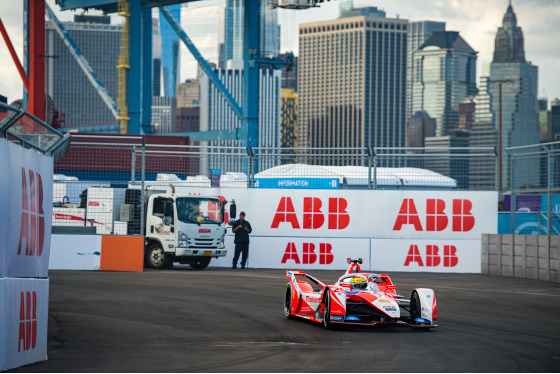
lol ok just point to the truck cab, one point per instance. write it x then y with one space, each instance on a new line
189 229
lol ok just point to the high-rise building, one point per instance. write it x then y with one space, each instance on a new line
418 33
216 115
519 106
289 73
482 170
555 119
453 167
443 75
188 119
352 83
188 94
544 120
170 51
288 124
203 22
465 115
420 127
71 91
269 30
156 58
164 112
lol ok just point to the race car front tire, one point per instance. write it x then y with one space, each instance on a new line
327 310
288 302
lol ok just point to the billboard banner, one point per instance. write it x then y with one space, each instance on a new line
299 253
417 255
29 208
371 214
26 306
75 252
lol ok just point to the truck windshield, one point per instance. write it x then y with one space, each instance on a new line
199 210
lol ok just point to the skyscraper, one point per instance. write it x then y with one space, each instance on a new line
418 33
519 108
170 51
216 115
443 75
203 22
351 83
269 30
66 83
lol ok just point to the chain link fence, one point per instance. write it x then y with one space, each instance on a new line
101 183
530 203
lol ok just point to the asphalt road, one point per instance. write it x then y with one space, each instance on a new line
220 320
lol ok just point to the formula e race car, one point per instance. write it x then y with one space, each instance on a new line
357 299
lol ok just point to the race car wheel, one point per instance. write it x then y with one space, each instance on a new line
200 263
288 302
156 258
415 307
327 308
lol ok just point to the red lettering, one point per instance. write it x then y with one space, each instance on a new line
450 258
28 321
463 220
313 218
408 215
309 256
325 254
290 253
432 256
413 256
436 219
285 213
32 225
24 233
338 217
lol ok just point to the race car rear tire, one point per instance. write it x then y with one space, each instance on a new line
200 263
415 307
288 302
327 310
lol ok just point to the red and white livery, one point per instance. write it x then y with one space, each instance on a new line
358 298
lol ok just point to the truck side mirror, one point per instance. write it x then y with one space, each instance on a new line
232 210
167 220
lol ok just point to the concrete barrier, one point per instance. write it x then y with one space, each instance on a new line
521 256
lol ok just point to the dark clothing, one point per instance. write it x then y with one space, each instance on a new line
241 248
242 236
241 242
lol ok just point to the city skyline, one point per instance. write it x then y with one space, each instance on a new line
478 25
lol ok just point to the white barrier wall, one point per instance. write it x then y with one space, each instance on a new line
428 231
75 252
28 205
26 183
420 255
26 320
364 213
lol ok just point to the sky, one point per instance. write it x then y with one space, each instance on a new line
476 20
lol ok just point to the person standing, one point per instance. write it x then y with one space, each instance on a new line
241 229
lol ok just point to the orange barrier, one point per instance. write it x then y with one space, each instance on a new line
122 253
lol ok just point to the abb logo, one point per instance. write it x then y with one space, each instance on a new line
433 257
436 218
32 229
93 203
309 256
313 216
27 321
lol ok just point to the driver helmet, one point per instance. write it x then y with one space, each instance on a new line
358 283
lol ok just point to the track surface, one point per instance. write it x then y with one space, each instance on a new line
220 320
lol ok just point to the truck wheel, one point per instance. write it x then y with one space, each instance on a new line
156 257
200 263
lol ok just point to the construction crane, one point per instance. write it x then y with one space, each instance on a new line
123 66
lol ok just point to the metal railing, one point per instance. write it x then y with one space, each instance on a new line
531 203
118 163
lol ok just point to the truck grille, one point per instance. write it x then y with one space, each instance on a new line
203 243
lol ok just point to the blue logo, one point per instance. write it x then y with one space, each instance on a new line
422 320
352 318
336 318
